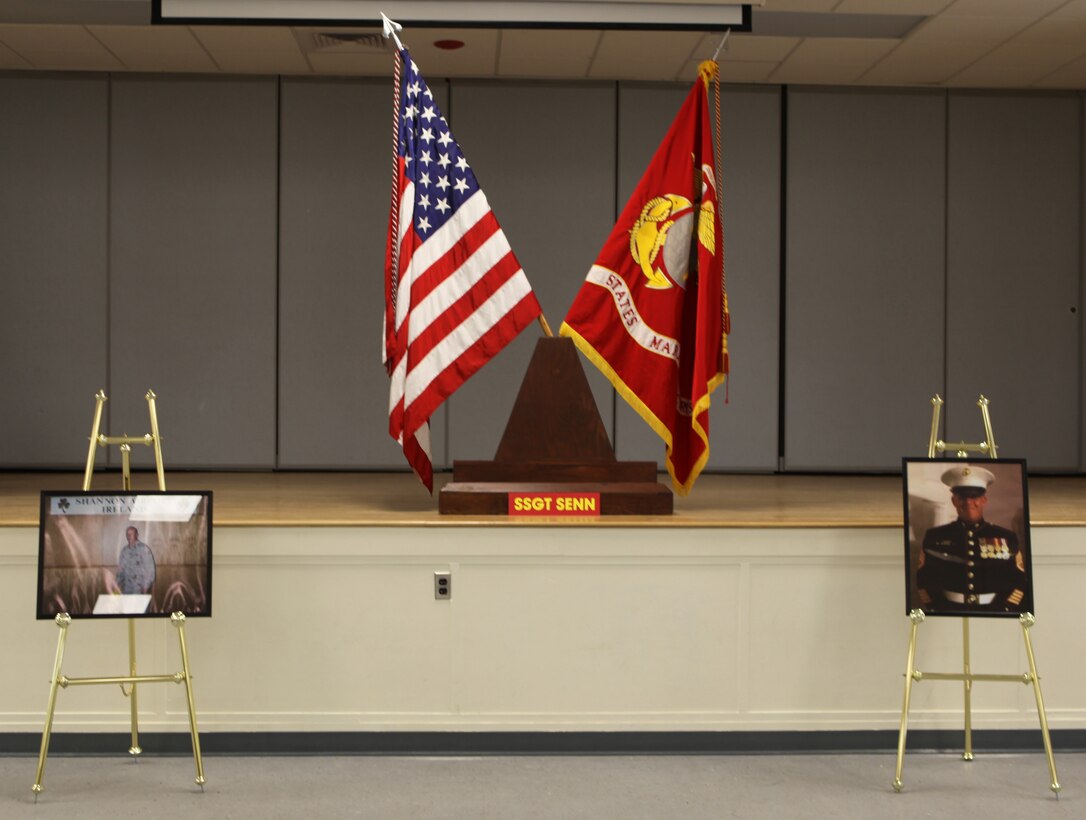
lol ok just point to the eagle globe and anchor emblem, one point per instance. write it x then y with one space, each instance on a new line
666 225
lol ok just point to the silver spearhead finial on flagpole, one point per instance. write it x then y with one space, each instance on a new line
390 29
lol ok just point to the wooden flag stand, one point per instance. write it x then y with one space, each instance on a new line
967 676
555 442
64 620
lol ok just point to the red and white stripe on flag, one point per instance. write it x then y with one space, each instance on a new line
455 293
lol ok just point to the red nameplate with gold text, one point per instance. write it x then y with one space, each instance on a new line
554 504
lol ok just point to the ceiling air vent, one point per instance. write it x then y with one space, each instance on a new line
347 42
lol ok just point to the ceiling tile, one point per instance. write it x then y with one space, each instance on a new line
158 48
832 60
478 57
922 63
644 55
749 47
994 77
547 53
253 49
8 58
364 65
1072 75
954 30
1075 10
1049 31
799 5
1003 8
891 6
740 71
59 48
1016 65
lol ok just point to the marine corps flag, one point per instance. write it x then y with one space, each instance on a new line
652 314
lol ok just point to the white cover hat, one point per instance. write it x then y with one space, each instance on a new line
967 475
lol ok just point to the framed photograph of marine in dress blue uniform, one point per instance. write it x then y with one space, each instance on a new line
967 549
124 555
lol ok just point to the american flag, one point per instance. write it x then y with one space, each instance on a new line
455 294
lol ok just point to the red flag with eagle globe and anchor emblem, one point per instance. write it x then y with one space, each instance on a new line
652 314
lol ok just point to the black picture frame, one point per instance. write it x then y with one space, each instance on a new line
90 566
958 566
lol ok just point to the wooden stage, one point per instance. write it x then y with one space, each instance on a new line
765 604
336 499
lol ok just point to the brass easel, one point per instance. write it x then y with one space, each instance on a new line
967 676
64 620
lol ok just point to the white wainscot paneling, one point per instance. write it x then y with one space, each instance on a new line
596 643
551 628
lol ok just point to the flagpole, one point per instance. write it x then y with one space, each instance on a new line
394 208
543 324
719 48
717 142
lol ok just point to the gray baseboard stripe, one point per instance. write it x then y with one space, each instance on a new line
543 743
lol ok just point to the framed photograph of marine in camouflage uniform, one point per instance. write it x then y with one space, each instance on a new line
967 549
125 554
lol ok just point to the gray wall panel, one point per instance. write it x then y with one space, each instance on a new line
743 433
202 237
864 276
544 155
53 161
335 172
193 276
1014 273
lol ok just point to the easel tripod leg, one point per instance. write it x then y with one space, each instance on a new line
1027 620
916 616
134 749
178 619
968 685
100 400
63 620
156 438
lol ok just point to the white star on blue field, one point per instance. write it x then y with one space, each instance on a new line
433 161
